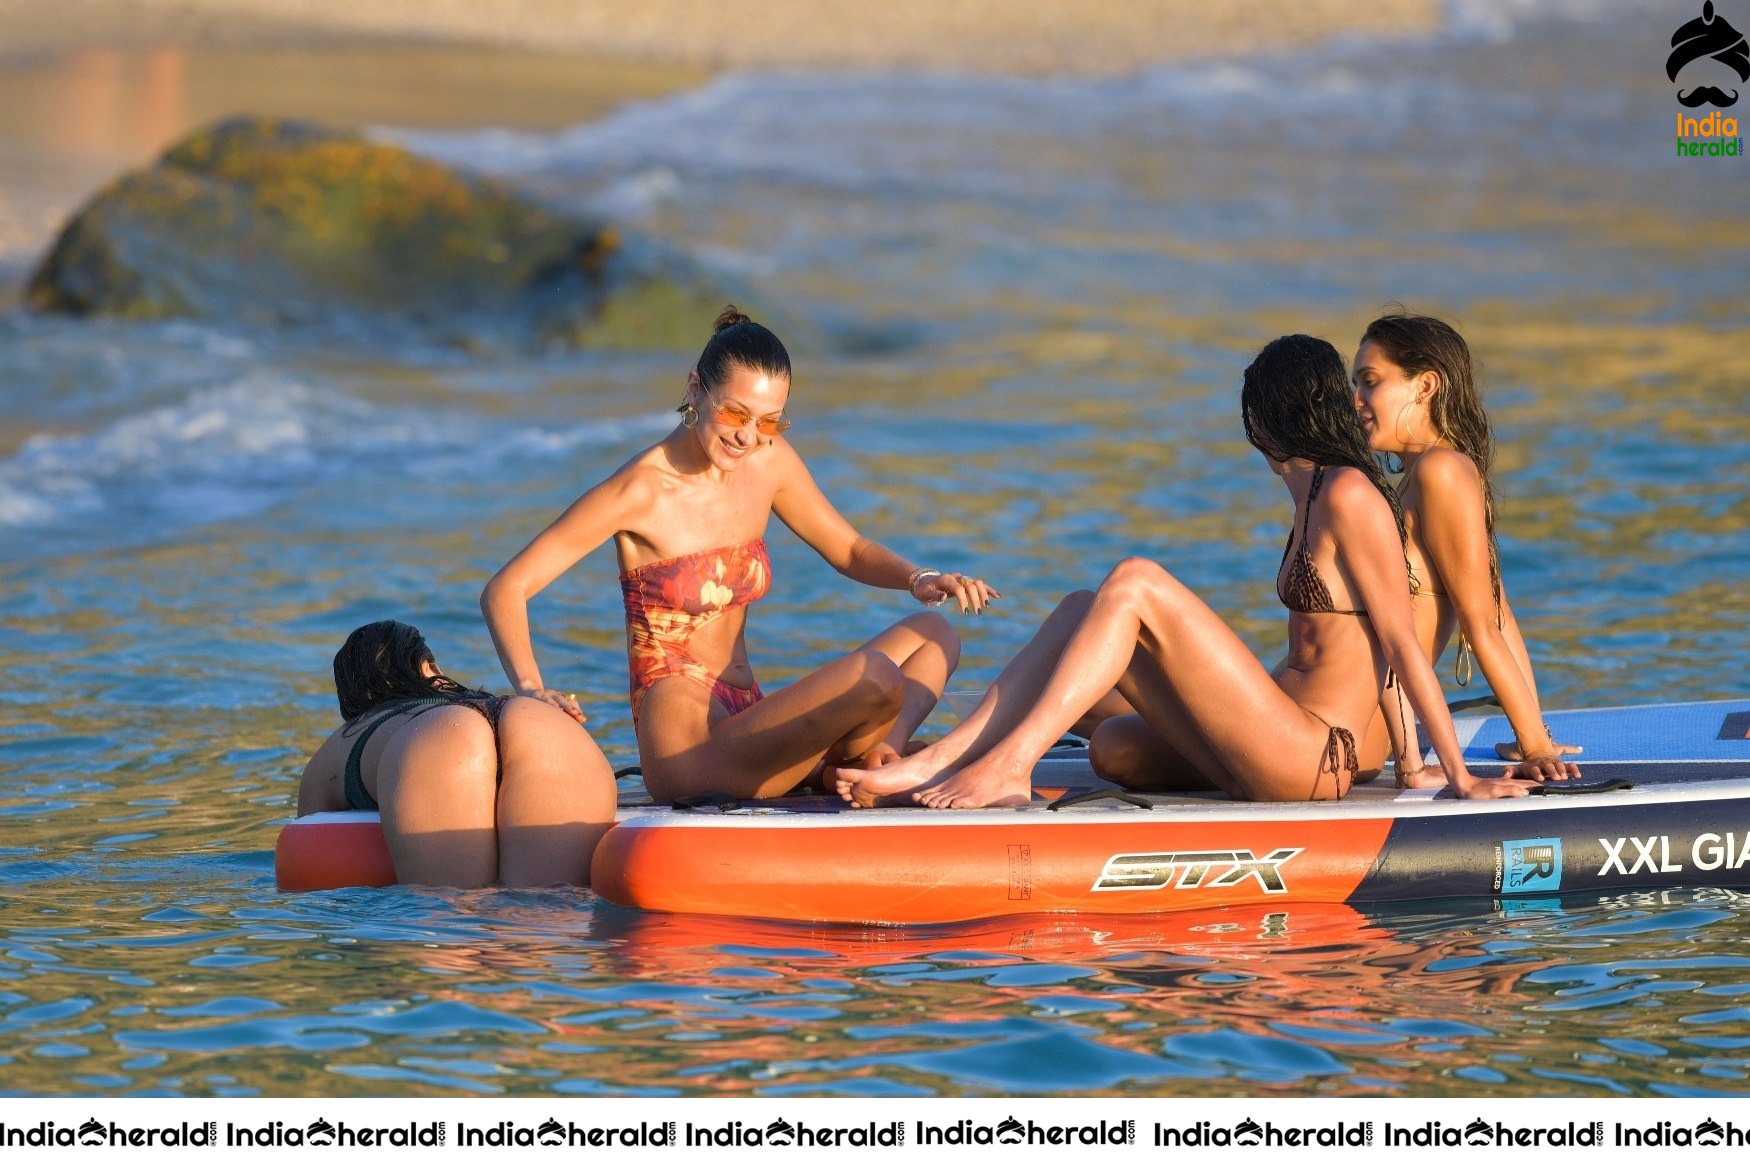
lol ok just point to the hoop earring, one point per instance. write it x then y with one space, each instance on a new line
1402 432
690 415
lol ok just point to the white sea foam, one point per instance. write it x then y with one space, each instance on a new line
726 122
861 133
638 193
1501 20
900 136
239 448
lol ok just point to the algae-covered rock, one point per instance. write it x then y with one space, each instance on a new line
276 223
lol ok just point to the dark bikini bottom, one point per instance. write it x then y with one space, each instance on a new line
1339 755
357 796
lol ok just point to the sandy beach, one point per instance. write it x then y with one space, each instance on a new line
1000 36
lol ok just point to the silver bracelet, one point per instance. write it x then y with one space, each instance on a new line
918 576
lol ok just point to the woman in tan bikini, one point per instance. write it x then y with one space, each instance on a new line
1417 398
473 788
688 518
1208 714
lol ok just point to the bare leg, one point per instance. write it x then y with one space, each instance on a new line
1159 748
556 796
1111 705
1215 697
839 712
1126 751
927 650
436 785
1002 708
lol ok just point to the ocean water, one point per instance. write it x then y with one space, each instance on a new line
1019 310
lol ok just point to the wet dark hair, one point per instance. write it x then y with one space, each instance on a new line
381 663
1422 344
738 342
1295 401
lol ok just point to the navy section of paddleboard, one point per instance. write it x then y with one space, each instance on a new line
1680 836
1701 731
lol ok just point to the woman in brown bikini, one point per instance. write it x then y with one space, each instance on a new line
473 788
1417 398
688 518
1208 714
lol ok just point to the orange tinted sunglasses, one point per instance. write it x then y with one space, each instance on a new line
734 416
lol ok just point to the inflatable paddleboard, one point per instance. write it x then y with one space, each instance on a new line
1665 802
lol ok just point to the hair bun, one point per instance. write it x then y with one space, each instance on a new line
738 341
729 317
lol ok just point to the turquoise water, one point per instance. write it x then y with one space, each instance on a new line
1019 313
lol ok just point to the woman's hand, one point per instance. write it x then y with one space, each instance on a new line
1510 751
1542 767
1469 787
1486 788
565 702
973 595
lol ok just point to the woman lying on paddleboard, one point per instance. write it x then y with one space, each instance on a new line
1208 714
473 788
1417 397
688 518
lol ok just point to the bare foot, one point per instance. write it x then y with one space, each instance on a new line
890 783
986 782
877 756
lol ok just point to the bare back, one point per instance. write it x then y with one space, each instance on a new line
1329 631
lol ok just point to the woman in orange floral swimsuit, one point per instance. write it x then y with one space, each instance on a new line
688 518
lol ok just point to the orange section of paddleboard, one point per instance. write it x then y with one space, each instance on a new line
320 855
893 873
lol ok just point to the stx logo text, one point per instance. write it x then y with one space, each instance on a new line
1190 869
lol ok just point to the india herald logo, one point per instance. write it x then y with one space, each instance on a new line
1711 37
1192 869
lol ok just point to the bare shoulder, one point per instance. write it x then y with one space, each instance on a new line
782 464
320 789
630 491
1355 501
641 476
783 457
1444 473
329 753
1347 488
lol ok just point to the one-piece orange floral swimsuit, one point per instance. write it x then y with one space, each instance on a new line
668 601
